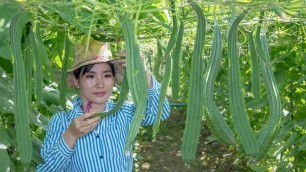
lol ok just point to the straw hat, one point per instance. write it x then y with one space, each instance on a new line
95 52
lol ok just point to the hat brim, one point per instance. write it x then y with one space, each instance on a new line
119 65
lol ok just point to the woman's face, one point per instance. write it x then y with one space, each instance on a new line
96 85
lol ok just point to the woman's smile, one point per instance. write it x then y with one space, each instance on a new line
99 94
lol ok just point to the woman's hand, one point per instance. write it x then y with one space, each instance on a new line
122 53
79 127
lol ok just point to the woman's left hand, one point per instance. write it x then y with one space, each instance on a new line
122 53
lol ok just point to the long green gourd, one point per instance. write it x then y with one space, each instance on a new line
241 123
177 53
257 42
215 120
60 43
233 16
170 45
255 73
135 68
38 68
195 102
21 104
162 95
173 36
158 60
62 86
28 67
269 132
42 51
167 75
136 76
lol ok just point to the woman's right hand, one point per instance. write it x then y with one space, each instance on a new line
79 127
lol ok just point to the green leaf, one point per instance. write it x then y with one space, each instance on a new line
6 89
78 16
5 139
5 160
8 10
51 96
5 51
4 142
39 120
302 141
36 150
6 65
288 143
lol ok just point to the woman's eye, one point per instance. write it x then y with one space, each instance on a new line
107 76
89 76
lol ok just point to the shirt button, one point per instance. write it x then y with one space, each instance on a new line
97 136
101 156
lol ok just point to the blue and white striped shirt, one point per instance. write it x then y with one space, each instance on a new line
101 149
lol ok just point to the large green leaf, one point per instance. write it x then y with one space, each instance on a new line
5 49
51 96
8 10
80 17
36 150
6 89
5 139
5 159
39 120
6 64
303 143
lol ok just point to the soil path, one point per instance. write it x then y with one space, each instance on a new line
164 154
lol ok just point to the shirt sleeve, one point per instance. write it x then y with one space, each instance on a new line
55 152
152 105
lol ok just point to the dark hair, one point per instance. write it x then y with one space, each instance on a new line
84 69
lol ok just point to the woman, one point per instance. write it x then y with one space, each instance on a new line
76 142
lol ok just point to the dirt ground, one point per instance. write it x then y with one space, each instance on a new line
164 155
